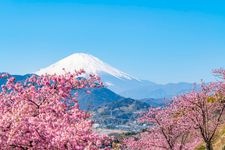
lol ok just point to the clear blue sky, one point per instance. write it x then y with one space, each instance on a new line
159 40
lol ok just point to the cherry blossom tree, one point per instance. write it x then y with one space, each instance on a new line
43 113
204 109
166 131
190 119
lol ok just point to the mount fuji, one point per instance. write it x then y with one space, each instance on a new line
118 81
91 65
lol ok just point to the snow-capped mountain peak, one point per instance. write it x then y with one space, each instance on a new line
91 65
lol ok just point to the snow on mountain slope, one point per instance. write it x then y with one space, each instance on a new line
114 79
89 63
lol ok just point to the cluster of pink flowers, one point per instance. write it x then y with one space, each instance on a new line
191 119
43 113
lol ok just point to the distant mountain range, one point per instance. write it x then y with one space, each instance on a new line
119 82
97 98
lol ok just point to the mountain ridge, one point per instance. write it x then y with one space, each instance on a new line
77 61
118 81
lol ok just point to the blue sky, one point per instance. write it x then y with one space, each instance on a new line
159 40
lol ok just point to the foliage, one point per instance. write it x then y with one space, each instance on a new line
190 119
43 113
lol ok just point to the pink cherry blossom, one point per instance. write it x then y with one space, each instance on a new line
191 119
43 113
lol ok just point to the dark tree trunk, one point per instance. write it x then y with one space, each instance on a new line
209 146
